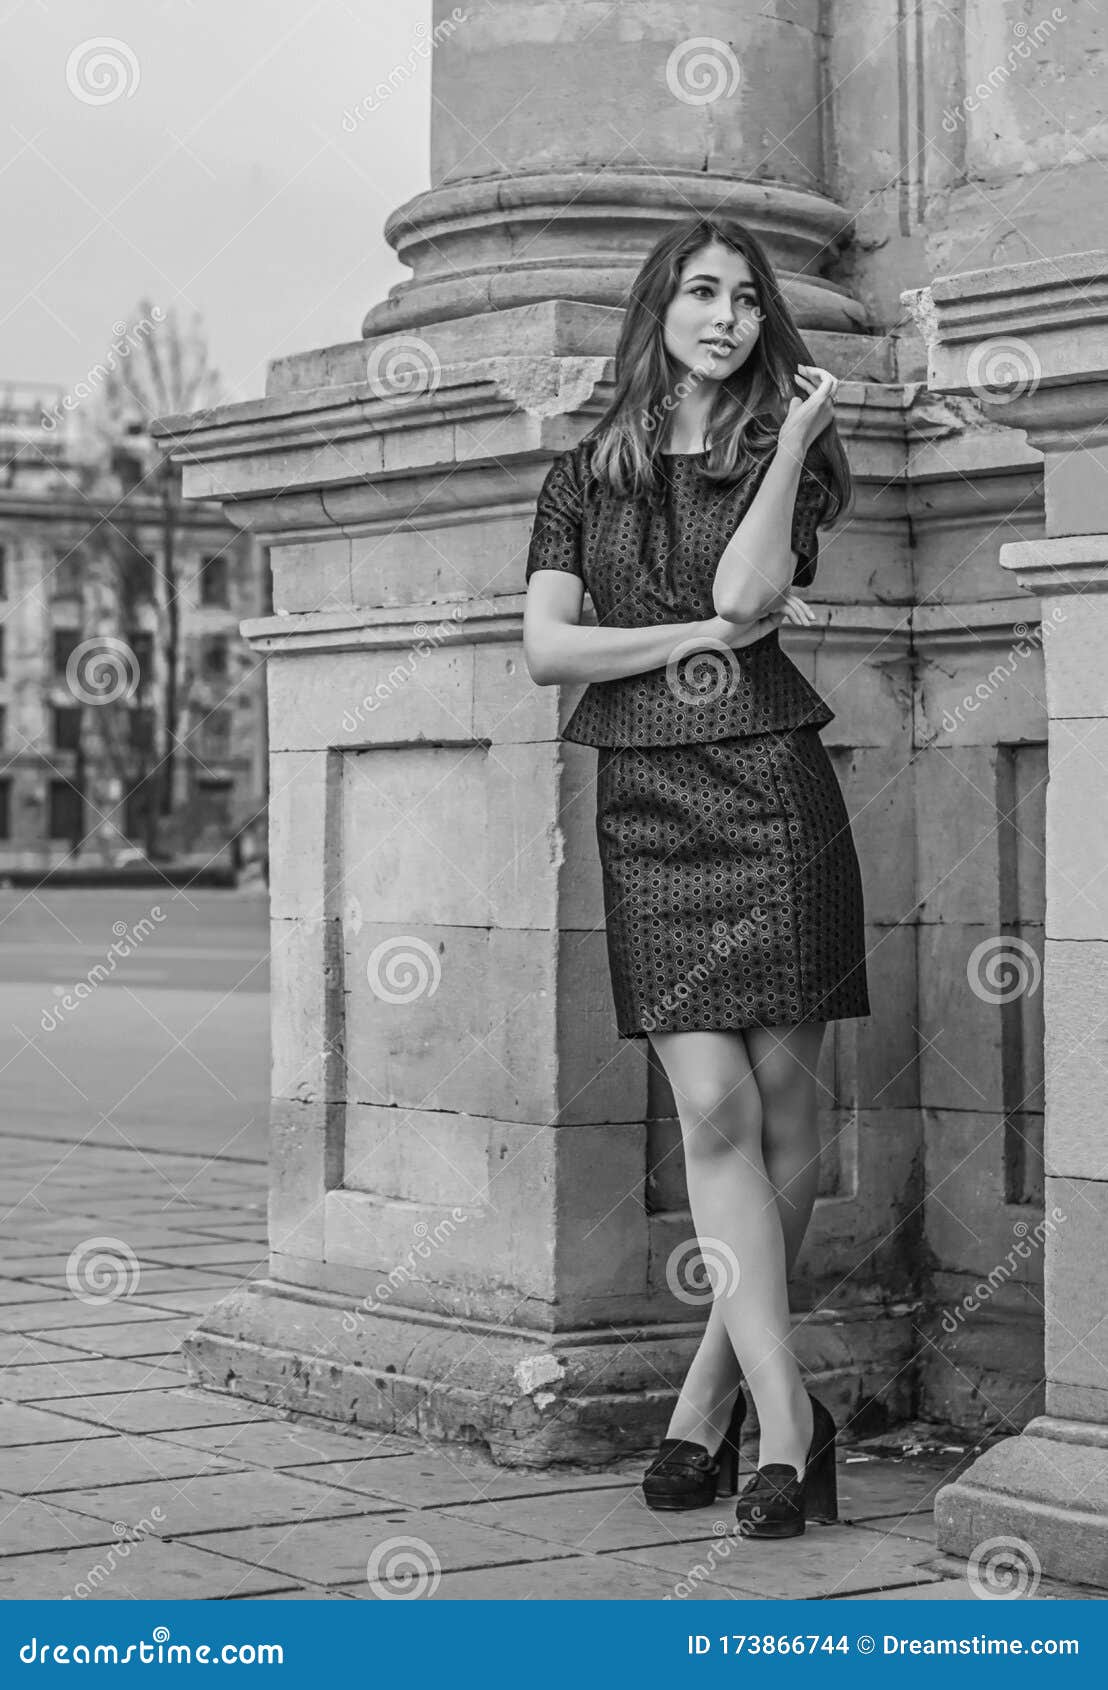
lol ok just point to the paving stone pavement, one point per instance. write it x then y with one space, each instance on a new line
120 1480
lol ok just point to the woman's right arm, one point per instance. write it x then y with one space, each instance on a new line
560 652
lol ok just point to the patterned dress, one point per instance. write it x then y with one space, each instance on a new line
732 890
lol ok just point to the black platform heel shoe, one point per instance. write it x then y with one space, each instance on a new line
684 1475
777 1501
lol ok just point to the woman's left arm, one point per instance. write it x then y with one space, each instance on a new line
758 565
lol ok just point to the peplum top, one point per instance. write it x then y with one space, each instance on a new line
645 562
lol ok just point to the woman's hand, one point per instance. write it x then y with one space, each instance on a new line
797 610
807 418
736 634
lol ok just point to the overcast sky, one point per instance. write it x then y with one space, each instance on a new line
220 177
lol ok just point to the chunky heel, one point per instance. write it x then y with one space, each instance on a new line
821 1490
728 1454
778 1501
684 1475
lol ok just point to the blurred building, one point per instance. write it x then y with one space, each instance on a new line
102 571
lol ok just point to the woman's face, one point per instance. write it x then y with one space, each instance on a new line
715 297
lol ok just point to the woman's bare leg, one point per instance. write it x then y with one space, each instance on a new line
716 1080
785 1061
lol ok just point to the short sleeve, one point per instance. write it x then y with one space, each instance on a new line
556 534
808 511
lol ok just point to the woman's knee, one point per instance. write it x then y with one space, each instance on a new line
719 1114
785 1070
714 1090
784 1063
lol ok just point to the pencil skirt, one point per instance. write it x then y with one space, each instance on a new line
732 890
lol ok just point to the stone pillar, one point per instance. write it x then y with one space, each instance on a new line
477 1219
1030 341
564 137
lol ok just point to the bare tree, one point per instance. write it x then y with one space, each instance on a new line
159 367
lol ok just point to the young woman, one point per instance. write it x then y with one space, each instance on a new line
732 893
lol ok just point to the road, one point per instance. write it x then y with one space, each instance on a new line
167 1048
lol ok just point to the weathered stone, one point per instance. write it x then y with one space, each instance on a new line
1046 1486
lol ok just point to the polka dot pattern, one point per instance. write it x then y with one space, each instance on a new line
646 562
732 890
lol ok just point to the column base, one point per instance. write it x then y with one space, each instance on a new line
507 240
527 1398
1047 1488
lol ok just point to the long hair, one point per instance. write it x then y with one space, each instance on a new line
751 403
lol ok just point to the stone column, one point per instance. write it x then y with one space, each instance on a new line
1030 341
564 137
477 1220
